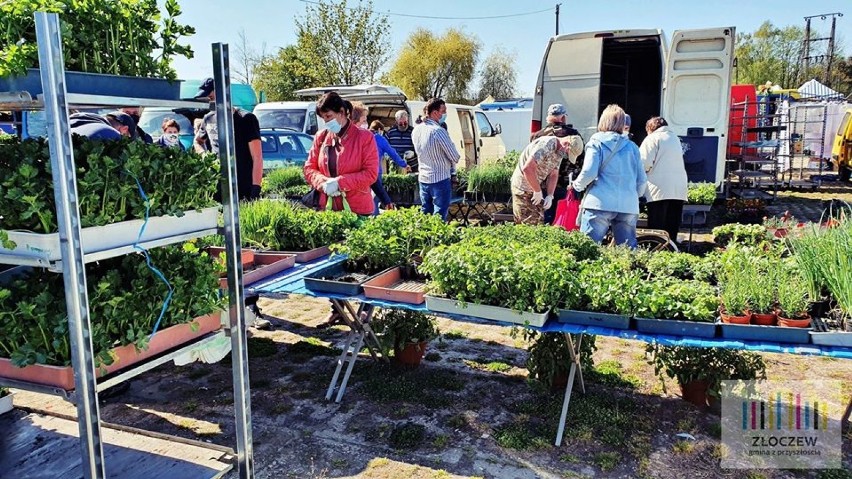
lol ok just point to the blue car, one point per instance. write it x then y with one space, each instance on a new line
284 147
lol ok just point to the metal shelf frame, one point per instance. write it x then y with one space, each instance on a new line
56 102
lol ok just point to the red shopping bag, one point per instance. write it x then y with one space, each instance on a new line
567 211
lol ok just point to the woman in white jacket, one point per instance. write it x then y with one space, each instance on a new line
662 156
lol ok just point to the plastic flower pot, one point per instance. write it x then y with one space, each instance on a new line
794 322
695 392
763 319
411 354
735 319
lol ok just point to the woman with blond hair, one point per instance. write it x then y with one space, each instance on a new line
614 179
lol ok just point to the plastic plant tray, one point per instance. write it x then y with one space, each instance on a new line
318 280
753 332
308 255
674 327
391 285
832 338
494 313
589 318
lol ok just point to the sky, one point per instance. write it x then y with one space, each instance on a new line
270 23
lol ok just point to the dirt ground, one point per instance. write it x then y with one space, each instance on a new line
468 411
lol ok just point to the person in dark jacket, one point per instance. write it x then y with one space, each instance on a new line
92 126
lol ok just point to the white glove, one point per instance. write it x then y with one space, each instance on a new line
548 202
330 187
537 198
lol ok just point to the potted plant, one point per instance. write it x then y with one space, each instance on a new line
763 282
700 371
747 235
403 189
700 196
549 357
779 226
677 307
5 400
792 301
407 332
736 301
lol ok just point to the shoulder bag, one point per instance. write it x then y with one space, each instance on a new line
603 164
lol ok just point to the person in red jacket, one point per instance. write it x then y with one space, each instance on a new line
343 161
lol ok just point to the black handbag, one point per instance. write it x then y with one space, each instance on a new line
311 199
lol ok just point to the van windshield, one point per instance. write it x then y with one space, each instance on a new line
294 119
151 121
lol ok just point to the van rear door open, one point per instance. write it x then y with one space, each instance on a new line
696 98
571 75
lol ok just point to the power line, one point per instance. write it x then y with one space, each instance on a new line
444 18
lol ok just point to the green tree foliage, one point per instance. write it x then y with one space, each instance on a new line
343 45
126 37
282 74
498 77
770 54
432 66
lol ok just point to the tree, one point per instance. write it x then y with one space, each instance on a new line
344 45
498 77
431 66
770 54
248 58
282 74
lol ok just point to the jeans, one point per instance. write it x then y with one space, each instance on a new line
436 195
595 223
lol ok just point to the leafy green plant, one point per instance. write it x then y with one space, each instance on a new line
503 272
670 264
713 365
701 193
490 179
578 244
550 356
792 292
404 326
609 287
392 238
107 173
751 235
281 226
128 37
280 179
399 184
678 299
125 297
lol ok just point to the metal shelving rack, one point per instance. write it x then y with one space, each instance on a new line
806 121
56 101
758 159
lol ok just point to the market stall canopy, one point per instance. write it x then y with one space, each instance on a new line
814 90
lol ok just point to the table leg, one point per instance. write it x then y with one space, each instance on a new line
354 337
351 365
575 368
847 414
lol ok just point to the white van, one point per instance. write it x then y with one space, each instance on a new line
688 84
295 115
473 134
514 125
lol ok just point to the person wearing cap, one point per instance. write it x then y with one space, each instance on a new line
246 143
536 174
123 123
92 126
134 113
558 126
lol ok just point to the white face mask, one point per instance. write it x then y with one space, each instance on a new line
171 138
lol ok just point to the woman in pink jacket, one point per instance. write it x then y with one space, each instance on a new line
343 161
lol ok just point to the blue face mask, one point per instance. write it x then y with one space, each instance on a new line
333 126
443 118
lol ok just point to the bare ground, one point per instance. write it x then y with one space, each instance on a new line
466 412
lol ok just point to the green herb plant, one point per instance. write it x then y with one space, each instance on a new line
677 299
712 365
750 235
287 181
402 327
701 193
281 226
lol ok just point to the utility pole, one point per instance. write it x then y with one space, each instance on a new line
557 18
808 52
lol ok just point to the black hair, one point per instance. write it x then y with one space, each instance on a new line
331 101
433 105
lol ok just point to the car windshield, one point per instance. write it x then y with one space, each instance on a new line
151 121
294 119
307 142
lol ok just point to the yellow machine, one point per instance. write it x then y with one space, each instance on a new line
841 151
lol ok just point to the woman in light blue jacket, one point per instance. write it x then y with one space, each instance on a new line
614 179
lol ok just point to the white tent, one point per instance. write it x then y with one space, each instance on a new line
814 90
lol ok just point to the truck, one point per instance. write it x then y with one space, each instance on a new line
688 84
841 147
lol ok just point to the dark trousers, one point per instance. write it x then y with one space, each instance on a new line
665 215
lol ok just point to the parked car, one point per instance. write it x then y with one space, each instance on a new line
284 147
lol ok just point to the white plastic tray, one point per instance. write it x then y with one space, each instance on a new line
103 238
443 305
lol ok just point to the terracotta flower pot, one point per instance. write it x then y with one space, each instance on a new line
770 319
695 392
794 322
745 318
411 354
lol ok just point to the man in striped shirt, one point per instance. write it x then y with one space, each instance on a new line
437 157
399 136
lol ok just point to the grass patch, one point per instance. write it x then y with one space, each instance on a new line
684 447
311 347
492 367
611 373
191 405
261 348
432 356
441 441
457 421
455 334
428 387
522 435
407 436
607 461
569 458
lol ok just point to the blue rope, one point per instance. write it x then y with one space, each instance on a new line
148 257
